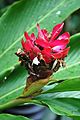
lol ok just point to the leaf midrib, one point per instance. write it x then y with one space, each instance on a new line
47 14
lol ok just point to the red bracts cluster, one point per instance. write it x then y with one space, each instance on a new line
43 55
46 46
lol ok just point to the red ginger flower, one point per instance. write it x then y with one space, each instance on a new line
47 46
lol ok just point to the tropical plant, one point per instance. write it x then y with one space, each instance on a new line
59 91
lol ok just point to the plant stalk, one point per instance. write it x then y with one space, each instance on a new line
14 103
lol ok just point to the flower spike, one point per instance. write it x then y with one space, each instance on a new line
46 50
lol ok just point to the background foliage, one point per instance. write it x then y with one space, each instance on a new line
23 15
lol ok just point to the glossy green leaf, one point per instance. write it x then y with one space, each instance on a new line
68 85
61 106
13 85
12 117
23 16
66 94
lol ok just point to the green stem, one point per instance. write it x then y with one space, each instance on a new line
14 103
32 90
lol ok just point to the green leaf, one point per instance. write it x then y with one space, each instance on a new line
23 16
72 69
63 99
66 94
13 86
12 117
61 106
68 85
76 118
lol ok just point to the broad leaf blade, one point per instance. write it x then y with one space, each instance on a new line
67 85
14 85
23 16
62 106
66 94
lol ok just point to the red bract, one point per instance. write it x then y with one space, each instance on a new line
29 47
47 46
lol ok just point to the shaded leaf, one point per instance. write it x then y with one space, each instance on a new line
68 85
13 86
61 106
12 117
